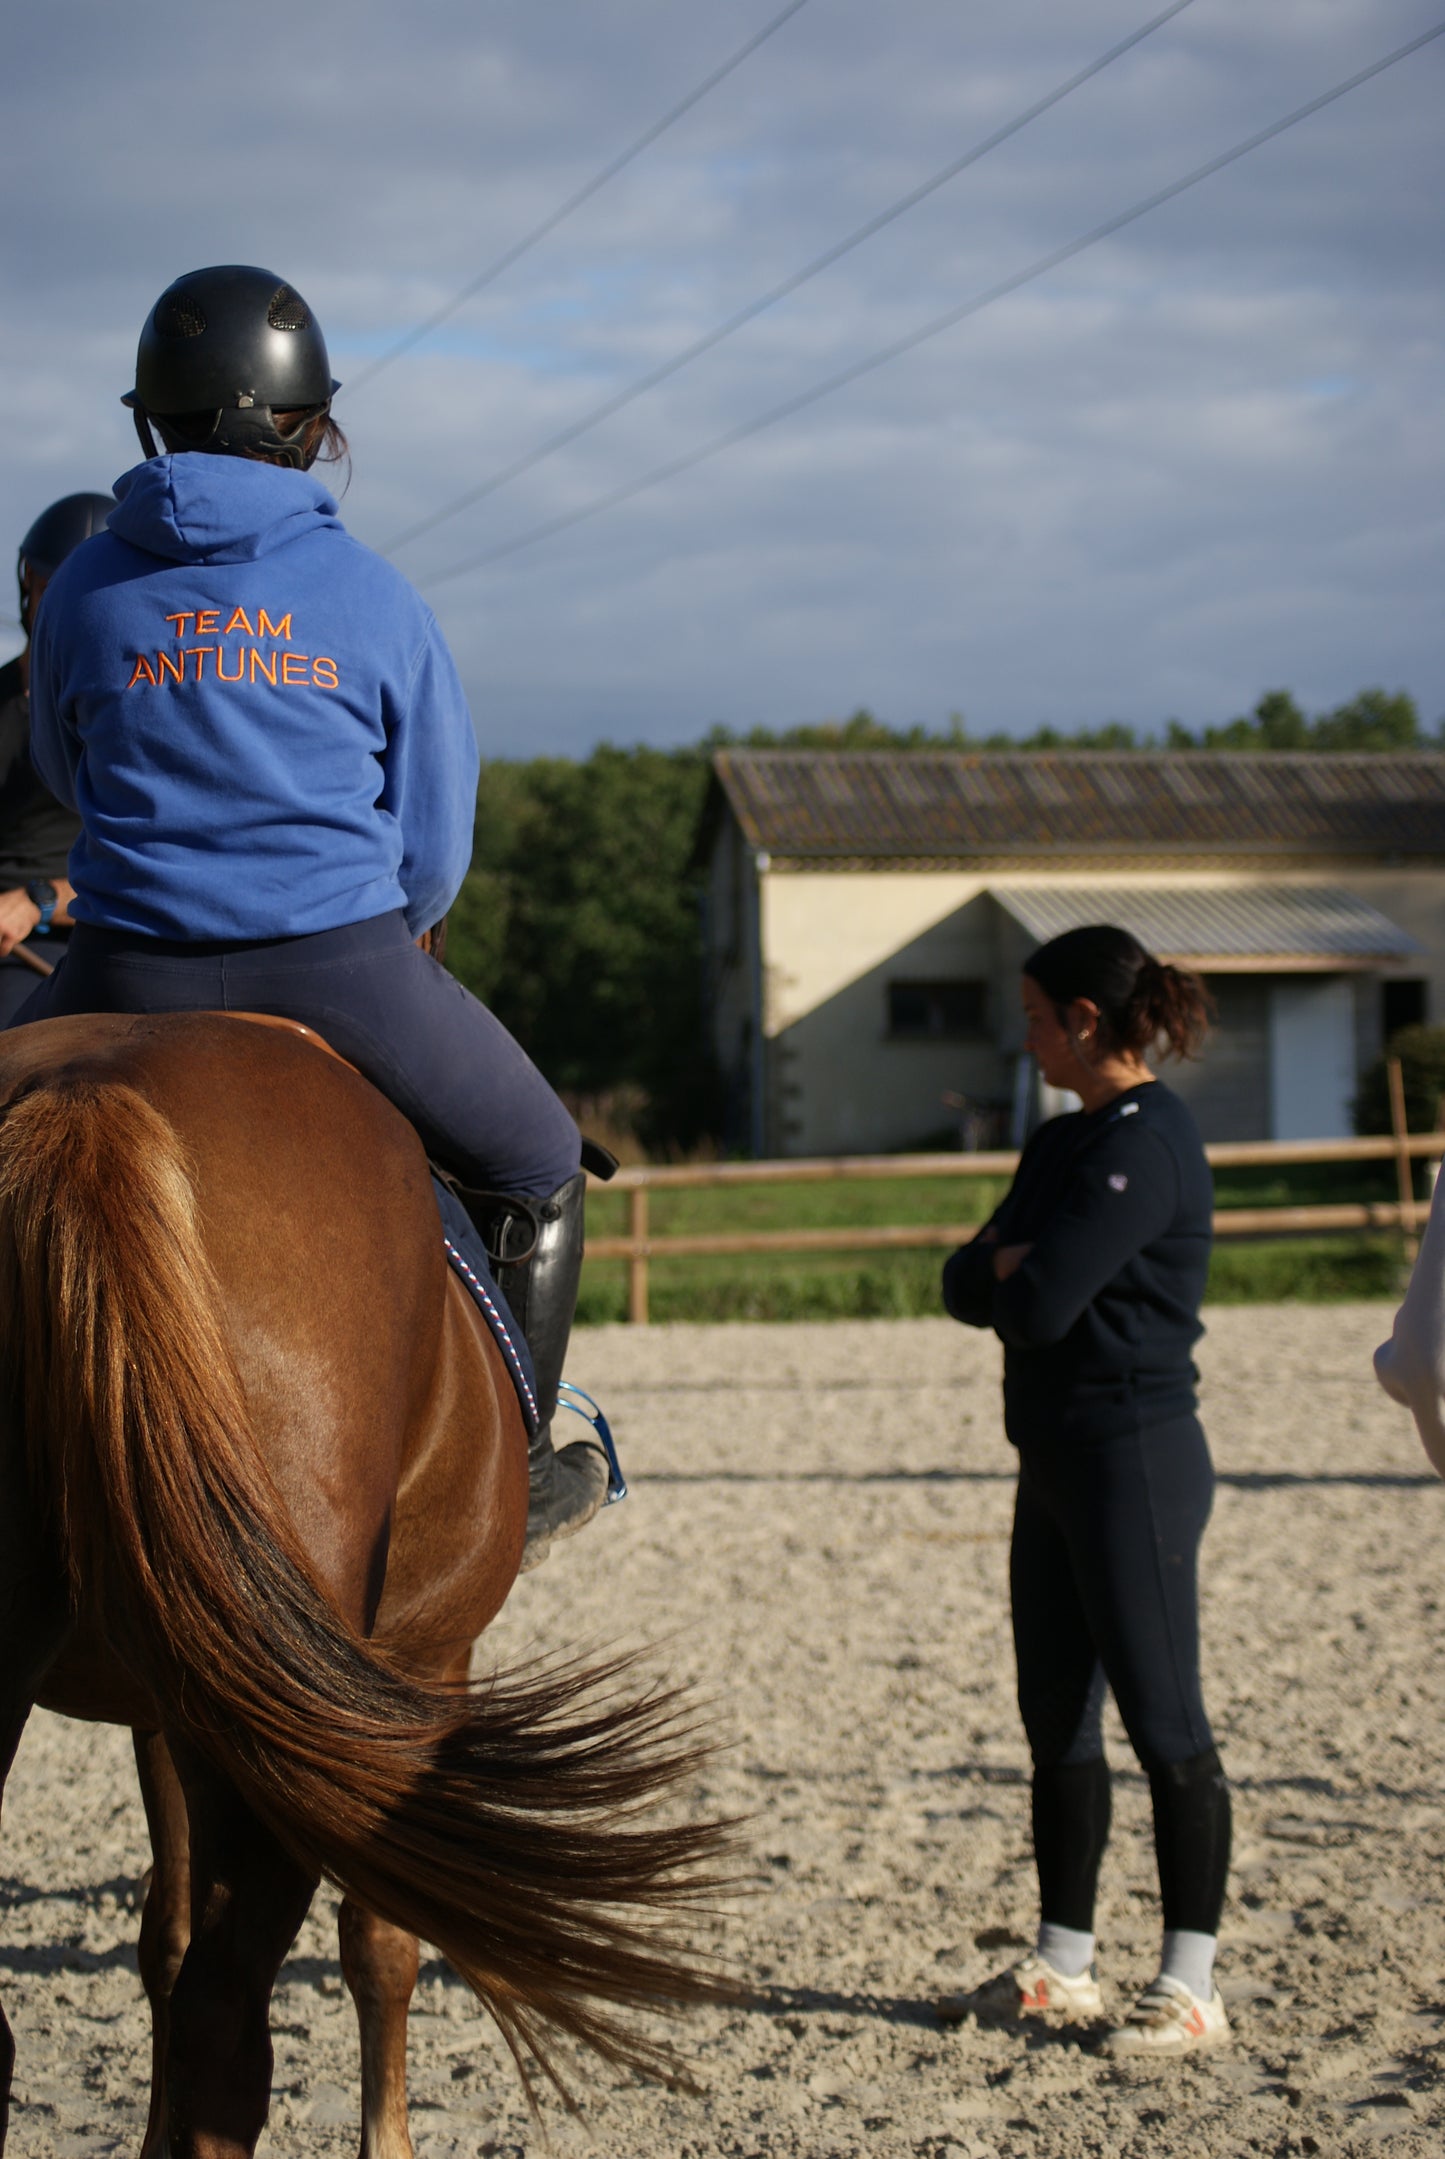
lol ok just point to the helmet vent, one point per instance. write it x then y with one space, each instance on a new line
288 311
177 315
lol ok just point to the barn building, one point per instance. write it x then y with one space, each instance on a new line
866 915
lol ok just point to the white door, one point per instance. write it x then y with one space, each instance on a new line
1311 1056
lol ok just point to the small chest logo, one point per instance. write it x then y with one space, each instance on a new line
1118 1182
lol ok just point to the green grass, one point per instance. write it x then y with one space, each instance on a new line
903 1285
1311 1184
802 1206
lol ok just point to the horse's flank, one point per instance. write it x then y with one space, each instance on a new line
247 1430
337 1308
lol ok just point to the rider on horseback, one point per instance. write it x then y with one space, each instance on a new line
264 735
36 831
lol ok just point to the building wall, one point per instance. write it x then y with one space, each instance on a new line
829 943
733 964
1415 898
840 1082
1228 1087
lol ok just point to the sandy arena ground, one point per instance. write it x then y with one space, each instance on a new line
819 1531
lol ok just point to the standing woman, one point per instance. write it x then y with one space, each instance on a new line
1091 1273
263 733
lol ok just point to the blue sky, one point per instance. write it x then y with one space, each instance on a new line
1203 459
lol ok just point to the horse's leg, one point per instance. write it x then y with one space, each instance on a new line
165 1927
12 1724
380 1963
32 1626
248 1899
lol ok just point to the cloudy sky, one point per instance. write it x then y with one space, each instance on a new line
1203 458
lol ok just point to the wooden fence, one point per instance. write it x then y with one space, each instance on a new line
640 1247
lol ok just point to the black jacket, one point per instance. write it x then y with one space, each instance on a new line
1099 1320
36 832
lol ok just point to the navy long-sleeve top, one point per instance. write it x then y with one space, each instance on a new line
1099 1321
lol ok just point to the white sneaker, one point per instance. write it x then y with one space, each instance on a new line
1168 2019
1032 1988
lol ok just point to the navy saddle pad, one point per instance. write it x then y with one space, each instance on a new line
468 1258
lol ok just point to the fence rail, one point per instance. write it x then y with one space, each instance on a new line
640 1247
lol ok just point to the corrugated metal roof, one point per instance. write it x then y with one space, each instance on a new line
912 805
1302 922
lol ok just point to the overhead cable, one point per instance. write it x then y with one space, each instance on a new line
936 327
583 194
754 308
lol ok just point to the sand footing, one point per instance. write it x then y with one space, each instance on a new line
818 1538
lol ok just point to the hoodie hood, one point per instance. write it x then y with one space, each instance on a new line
201 508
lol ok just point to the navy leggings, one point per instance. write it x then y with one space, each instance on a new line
1103 1571
480 1104
1104 1579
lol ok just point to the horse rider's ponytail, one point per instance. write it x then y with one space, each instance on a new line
1142 1001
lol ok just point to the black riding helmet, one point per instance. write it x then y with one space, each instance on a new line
56 533
223 351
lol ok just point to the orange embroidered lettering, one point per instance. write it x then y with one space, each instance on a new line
239 621
240 674
294 666
198 653
208 621
176 669
144 672
323 673
267 667
180 621
275 629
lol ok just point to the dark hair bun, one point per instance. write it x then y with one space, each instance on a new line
1140 999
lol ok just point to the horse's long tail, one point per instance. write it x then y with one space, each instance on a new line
509 1826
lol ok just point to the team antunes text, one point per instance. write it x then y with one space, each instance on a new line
233 663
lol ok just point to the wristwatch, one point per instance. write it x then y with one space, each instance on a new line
42 894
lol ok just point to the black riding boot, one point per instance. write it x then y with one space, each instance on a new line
569 1486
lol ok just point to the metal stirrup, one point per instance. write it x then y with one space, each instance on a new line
616 1482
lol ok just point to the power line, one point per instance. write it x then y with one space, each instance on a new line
574 202
940 323
754 308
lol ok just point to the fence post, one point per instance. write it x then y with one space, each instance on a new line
637 1259
1404 1168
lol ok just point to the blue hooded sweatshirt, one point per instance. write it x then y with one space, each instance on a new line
256 718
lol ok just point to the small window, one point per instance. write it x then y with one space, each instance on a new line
935 1011
1403 1004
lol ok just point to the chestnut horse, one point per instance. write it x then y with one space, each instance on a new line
263 1480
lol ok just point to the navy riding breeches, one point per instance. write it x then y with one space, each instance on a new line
17 981
1103 1571
481 1106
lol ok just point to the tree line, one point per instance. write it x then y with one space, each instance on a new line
580 920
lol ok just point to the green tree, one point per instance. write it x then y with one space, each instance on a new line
579 926
1372 721
1281 724
1276 723
862 731
1421 1051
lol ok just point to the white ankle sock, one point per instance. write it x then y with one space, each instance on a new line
1070 1952
1189 1958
